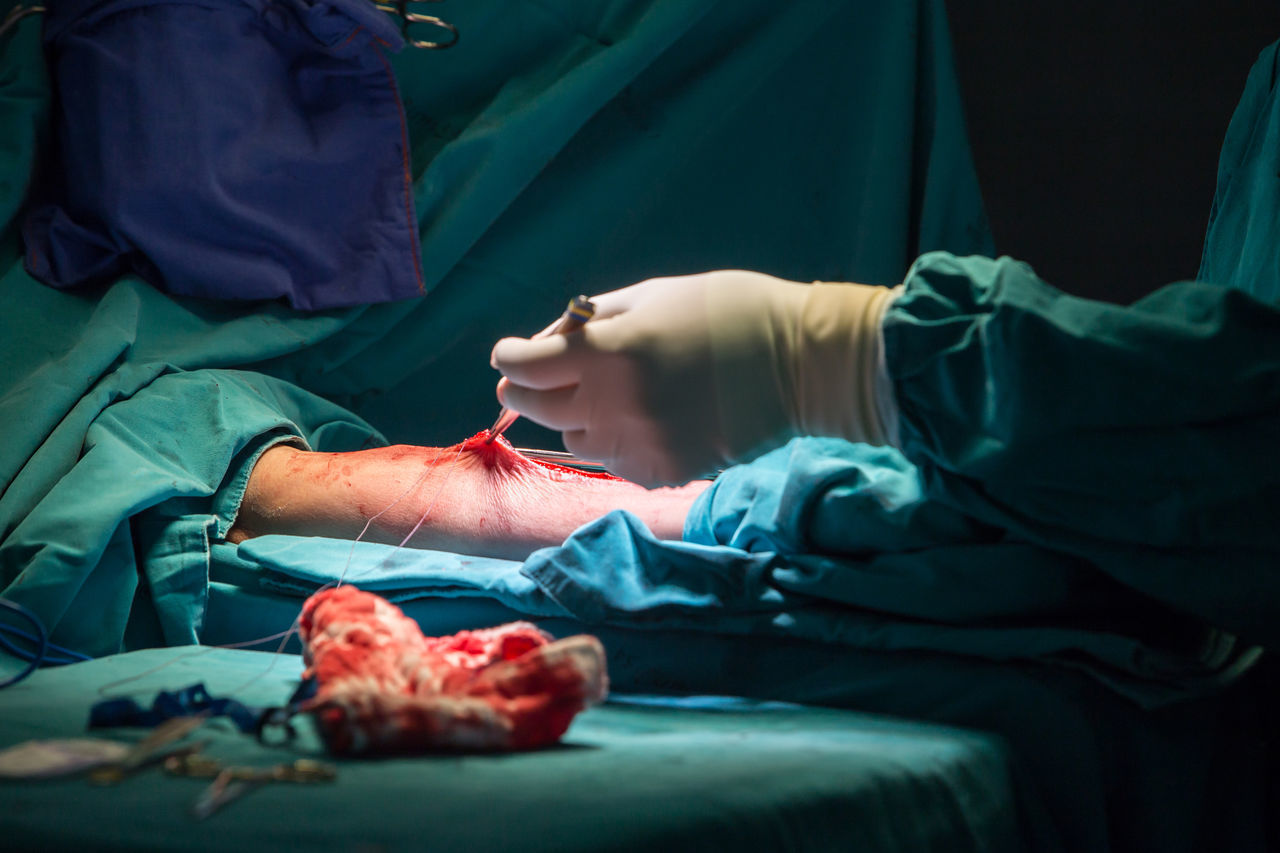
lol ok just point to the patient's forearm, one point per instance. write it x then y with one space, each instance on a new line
473 498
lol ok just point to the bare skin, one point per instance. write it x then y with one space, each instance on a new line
472 498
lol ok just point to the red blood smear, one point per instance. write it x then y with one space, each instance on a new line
383 687
500 456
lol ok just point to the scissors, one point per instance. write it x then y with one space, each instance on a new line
580 310
407 19
399 8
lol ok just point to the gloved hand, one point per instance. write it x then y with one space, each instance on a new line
676 377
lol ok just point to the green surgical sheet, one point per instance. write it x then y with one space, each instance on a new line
561 147
708 774
1090 769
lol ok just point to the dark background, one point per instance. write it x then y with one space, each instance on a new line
1096 128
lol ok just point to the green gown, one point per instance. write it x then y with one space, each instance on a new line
1143 439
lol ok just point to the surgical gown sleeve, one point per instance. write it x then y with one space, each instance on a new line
1242 245
1142 438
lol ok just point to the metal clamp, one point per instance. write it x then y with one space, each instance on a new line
400 8
559 457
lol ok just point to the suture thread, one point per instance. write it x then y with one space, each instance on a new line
285 635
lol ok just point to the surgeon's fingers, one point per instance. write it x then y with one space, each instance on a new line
558 408
540 363
613 303
593 445
619 301
549 329
605 305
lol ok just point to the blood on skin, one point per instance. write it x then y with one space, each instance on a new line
484 494
477 496
499 456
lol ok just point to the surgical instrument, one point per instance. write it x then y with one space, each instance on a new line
155 745
580 310
559 457
399 8
407 19
232 782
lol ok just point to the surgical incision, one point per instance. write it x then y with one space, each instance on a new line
473 497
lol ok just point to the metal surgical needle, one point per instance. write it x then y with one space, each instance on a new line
580 310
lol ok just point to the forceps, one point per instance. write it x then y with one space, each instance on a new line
580 310
156 744
559 457
231 783
408 19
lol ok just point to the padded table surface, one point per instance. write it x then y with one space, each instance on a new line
643 773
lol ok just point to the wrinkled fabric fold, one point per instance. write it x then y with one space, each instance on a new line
227 149
561 148
1139 439
837 543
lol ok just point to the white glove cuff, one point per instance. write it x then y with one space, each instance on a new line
839 381
886 400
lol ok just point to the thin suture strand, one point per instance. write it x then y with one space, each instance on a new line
286 634
426 469
203 651
456 459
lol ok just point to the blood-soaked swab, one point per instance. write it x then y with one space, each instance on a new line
382 687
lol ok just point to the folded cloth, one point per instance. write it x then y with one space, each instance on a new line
227 149
382 687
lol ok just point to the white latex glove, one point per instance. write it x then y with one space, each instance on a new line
676 377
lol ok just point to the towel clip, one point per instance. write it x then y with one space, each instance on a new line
400 8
